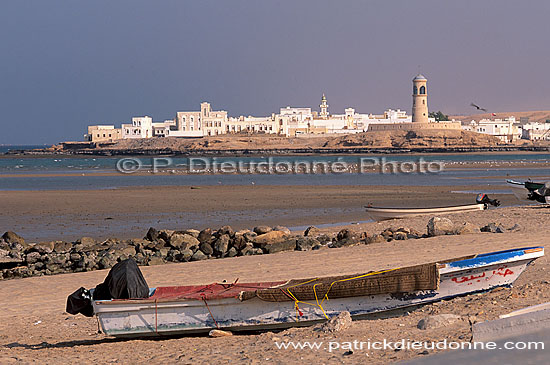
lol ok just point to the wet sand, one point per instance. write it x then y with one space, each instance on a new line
35 328
129 212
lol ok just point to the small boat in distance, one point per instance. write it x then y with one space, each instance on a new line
380 214
527 191
303 302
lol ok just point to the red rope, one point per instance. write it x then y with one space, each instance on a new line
211 315
156 318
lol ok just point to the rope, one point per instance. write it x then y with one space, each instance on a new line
209 311
325 297
156 318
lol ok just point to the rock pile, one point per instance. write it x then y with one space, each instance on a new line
21 259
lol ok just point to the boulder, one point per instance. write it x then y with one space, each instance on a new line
219 333
107 261
249 236
282 229
466 228
199 255
306 243
86 242
438 226
239 242
191 232
43 247
184 255
312 231
387 234
244 251
13 238
165 234
255 251
205 235
206 248
346 237
242 232
269 238
437 321
62 246
323 239
400 236
336 324
232 252
225 230
375 238
75 257
260 230
274 247
33 257
152 234
58 258
221 245
183 241
493 228
4 253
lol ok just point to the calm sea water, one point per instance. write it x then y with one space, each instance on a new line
4 149
80 172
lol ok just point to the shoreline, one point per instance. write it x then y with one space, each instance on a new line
278 151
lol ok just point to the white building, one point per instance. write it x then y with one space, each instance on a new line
162 129
103 133
507 130
141 127
205 122
263 125
536 131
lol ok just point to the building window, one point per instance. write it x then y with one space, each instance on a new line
415 90
422 90
423 102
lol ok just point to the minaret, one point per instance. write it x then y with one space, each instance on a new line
324 108
420 100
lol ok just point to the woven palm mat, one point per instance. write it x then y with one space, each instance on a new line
405 280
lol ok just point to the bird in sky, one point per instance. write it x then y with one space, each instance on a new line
478 107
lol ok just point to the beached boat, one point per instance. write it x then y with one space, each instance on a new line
525 191
252 306
380 214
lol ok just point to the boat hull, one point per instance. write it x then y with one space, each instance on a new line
380 214
123 318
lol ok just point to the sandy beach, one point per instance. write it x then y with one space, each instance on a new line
34 326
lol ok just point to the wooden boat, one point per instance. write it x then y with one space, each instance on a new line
253 306
380 214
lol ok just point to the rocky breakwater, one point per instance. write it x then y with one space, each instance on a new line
21 259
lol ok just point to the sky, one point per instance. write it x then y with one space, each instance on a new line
67 64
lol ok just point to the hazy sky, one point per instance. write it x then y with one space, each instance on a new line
67 64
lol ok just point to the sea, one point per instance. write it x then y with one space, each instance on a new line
95 172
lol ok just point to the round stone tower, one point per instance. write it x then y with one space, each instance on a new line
420 100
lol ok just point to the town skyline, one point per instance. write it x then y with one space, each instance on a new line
69 65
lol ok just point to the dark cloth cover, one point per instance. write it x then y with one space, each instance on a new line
80 302
124 281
